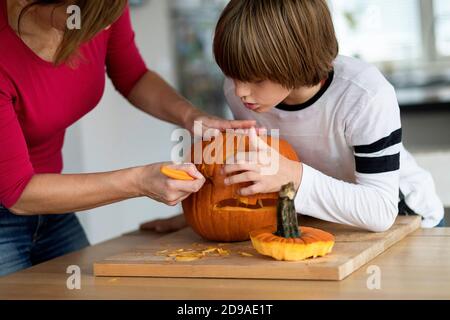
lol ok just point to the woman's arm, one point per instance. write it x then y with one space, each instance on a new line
57 193
156 97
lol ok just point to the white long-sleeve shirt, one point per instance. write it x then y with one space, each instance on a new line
348 138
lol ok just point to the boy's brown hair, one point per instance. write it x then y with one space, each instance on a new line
290 42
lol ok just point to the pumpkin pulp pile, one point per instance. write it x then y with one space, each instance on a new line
198 251
290 242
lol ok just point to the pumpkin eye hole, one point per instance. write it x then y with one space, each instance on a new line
236 203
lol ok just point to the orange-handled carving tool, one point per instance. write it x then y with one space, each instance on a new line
176 174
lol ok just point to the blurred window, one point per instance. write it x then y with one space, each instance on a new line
378 30
411 31
199 78
442 27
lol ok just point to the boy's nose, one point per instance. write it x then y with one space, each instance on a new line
241 89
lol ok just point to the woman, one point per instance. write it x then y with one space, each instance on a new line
50 77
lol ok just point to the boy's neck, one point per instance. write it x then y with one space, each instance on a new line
302 95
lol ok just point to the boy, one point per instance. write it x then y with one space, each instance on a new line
340 115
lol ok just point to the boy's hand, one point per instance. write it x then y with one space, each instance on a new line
165 225
257 167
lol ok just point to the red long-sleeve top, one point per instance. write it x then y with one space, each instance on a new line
39 101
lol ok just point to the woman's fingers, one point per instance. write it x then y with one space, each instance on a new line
179 200
179 187
172 191
241 124
172 198
191 169
214 126
229 124
156 184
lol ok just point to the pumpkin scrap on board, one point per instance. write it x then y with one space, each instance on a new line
198 251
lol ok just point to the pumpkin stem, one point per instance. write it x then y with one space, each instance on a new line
287 224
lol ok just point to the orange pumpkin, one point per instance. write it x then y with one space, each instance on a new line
217 212
286 241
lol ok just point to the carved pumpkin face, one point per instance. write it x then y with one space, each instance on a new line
217 212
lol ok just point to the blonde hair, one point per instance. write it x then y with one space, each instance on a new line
290 42
96 15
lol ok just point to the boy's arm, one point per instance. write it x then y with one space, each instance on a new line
368 205
374 132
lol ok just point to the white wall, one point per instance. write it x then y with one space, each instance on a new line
427 136
437 163
115 135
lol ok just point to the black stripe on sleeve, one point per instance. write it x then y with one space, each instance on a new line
389 141
377 164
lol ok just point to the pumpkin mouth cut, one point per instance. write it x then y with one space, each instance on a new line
236 203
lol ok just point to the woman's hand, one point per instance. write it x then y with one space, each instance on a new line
153 184
212 125
264 166
155 97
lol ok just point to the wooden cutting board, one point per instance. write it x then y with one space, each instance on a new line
353 249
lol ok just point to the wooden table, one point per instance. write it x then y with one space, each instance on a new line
416 268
